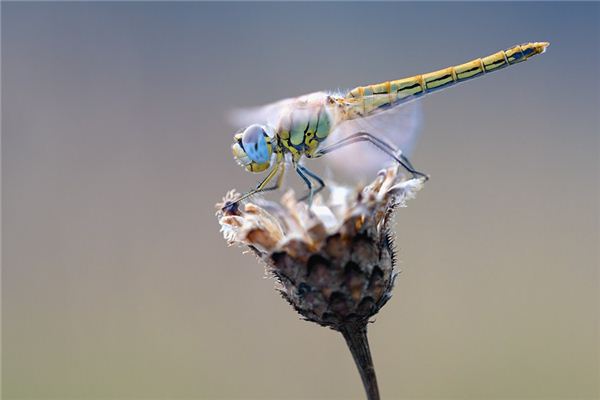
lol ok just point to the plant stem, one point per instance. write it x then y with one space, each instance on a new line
356 338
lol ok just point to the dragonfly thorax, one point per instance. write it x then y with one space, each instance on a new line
303 128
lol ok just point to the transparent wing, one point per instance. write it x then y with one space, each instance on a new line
398 126
271 113
267 114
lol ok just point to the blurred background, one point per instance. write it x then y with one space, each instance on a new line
117 283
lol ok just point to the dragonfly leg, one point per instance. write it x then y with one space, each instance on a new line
380 144
406 160
316 178
230 206
373 139
308 183
279 181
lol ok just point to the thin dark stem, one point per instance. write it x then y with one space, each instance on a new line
356 338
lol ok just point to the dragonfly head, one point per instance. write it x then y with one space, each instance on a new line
253 148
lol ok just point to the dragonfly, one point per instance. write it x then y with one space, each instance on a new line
290 131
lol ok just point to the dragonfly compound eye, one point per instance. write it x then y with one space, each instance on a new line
256 144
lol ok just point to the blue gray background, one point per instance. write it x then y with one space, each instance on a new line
117 284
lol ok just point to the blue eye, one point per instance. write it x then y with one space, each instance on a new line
255 144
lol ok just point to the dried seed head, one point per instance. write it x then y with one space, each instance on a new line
334 261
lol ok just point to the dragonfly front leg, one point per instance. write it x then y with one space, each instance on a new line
380 144
279 181
231 206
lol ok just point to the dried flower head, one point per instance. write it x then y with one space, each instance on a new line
335 260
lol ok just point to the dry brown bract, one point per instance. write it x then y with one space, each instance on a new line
335 261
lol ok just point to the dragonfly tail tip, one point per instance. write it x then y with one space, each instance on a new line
542 46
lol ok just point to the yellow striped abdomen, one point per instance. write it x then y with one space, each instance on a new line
364 100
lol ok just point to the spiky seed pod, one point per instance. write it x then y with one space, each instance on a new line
347 279
334 261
